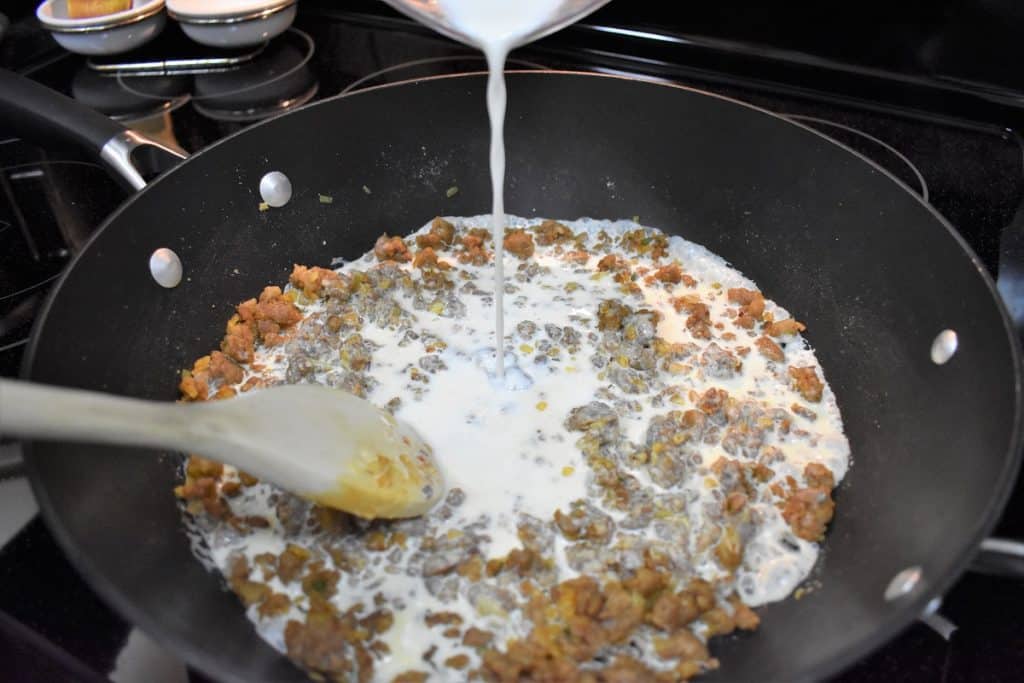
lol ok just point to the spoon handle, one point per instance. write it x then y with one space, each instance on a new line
37 411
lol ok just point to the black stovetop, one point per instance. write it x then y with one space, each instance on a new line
908 98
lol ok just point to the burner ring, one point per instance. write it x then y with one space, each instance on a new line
307 46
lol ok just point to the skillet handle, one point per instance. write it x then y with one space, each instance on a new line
44 116
38 411
1000 557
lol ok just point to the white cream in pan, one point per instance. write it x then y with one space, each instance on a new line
513 451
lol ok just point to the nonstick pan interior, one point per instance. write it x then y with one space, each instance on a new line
874 273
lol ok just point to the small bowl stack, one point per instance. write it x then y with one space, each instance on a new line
106 33
106 27
232 23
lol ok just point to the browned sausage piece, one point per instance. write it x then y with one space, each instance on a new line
222 367
729 551
390 249
473 251
610 314
275 605
712 402
699 322
443 230
457 662
734 502
278 307
291 561
519 243
579 257
670 611
818 476
378 621
807 383
612 262
751 306
445 618
476 637
719 622
620 613
428 239
239 341
769 349
804 412
808 511
784 327
425 258
311 280
646 581
193 387
552 232
320 643
745 618
411 677
687 302
681 645
671 273
719 363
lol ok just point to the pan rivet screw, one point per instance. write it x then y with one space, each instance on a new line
944 347
932 607
903 583
275 189
165 267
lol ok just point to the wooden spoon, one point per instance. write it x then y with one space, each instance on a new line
323 444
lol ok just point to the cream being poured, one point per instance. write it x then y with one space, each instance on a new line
496 28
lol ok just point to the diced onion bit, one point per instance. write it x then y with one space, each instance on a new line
452 191
366 189
326 199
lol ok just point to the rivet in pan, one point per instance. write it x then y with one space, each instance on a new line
932 607
944 347
165 266
275 189
903 583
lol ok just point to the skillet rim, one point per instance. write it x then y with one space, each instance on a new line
888 627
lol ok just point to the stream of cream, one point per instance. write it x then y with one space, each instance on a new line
495 28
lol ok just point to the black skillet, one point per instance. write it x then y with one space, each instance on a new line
875 273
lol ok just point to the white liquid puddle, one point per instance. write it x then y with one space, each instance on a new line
505 443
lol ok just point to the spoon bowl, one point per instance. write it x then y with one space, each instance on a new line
323 444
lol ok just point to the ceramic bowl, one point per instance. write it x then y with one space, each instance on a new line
107 34
232 24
